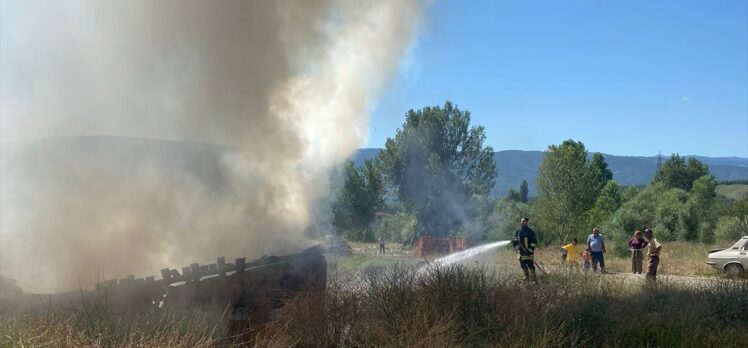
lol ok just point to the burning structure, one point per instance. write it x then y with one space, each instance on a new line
427 245
252 291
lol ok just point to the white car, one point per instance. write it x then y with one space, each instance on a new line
733 260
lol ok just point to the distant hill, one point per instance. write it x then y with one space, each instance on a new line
203 160
515 165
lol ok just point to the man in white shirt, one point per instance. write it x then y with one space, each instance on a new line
654 254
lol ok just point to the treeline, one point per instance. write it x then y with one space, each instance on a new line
434 178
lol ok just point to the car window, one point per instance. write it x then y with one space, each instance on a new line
739 244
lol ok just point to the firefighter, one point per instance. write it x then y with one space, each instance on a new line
525 242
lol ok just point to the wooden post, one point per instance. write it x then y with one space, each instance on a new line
240 265
221 265
195 269
186 274
166 274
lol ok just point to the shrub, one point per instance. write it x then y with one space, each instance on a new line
729 229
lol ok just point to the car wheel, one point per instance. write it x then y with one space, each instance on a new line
733 270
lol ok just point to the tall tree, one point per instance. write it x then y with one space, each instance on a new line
361 195
567 187
513 196
608 201
523 191
438 162
600 170
677 172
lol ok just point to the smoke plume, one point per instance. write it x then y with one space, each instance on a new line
247 105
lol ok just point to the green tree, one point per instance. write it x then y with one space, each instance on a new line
513 196
523 191
677 172
437 162
607 203
729 228
399 227
656 207
702 210
740 212
358 199
505 218
567 187
600 170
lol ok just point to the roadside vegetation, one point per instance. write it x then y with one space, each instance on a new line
455 306
434 178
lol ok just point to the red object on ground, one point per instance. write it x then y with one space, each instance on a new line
440 246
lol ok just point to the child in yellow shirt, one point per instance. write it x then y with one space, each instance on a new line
572 254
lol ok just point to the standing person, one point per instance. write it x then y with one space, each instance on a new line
572 254
654 255
596 244
587 257
525 242
637 245
381 245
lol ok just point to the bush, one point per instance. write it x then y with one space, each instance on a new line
447 307
397 228
729 229
458 306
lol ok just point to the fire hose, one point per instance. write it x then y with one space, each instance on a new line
537 265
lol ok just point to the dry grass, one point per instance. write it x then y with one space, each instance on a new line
67 331
456 306
678 259
462 306
391 304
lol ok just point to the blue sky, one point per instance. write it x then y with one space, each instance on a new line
624 77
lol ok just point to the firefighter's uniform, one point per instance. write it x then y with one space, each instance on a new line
525 242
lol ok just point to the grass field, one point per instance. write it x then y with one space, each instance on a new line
457 306
385 301
678 259
734 192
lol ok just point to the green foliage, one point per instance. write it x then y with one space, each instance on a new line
505 219
398 228
655 207
437 162
568 185
607 203
479 227
361 195
600 170
729 229
740 211
673 214
629 193
513 196
679 173
701 210
523 191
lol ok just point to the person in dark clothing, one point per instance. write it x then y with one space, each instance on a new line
525 242
381 245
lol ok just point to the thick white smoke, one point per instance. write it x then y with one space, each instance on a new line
282 88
